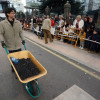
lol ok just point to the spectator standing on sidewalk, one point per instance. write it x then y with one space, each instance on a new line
34 21
11 34
70 18
60 20
82 35
52 27
96 38
46 27
91 25
88 36
78 23
86 23
56 19
52 22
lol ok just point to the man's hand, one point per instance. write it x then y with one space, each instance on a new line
3 44
23 42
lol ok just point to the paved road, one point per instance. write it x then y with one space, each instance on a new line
61 76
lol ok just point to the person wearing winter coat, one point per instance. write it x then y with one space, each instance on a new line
78 23
52 22
11 35
88 36
96 38
86 23
91 25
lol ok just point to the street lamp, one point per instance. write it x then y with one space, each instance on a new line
67 8
47 10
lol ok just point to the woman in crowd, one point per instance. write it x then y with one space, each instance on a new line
60 20
78 23
88 36
91 25
86 23
52 22
52 27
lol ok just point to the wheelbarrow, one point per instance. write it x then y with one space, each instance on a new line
31 83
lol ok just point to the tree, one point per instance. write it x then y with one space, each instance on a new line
57 6
20 14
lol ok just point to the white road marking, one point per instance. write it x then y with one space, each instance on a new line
74 93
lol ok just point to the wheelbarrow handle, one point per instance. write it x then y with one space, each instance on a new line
25 46
8 52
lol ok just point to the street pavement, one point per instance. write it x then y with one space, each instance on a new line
92 60
62 78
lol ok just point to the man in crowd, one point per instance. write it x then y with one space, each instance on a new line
56 19
46 27
11 34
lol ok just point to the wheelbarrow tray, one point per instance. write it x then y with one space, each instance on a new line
26 54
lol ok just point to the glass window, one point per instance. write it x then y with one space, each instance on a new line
1 8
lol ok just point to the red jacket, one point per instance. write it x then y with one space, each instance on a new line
52 22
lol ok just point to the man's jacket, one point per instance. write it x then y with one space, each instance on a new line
11 35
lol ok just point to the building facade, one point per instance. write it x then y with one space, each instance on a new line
90 4
18 4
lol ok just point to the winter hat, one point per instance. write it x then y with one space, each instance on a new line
96 29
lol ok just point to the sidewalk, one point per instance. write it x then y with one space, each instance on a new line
81 56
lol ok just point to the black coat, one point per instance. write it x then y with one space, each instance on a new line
91 26
95 37
95 46
88 34
86 25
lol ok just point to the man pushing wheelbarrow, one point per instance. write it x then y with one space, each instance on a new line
11 38
11 34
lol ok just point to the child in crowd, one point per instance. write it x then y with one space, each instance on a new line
56 28
82 35
70 29
96 38
66 30
62 28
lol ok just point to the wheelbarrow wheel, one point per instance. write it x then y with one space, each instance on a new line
34 90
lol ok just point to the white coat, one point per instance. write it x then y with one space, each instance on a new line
81 24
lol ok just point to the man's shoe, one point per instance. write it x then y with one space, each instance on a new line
51 41
46 42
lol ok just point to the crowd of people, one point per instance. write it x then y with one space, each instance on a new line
82 30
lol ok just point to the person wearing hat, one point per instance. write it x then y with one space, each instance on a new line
96 38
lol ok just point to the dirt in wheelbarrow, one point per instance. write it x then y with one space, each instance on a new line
26 68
